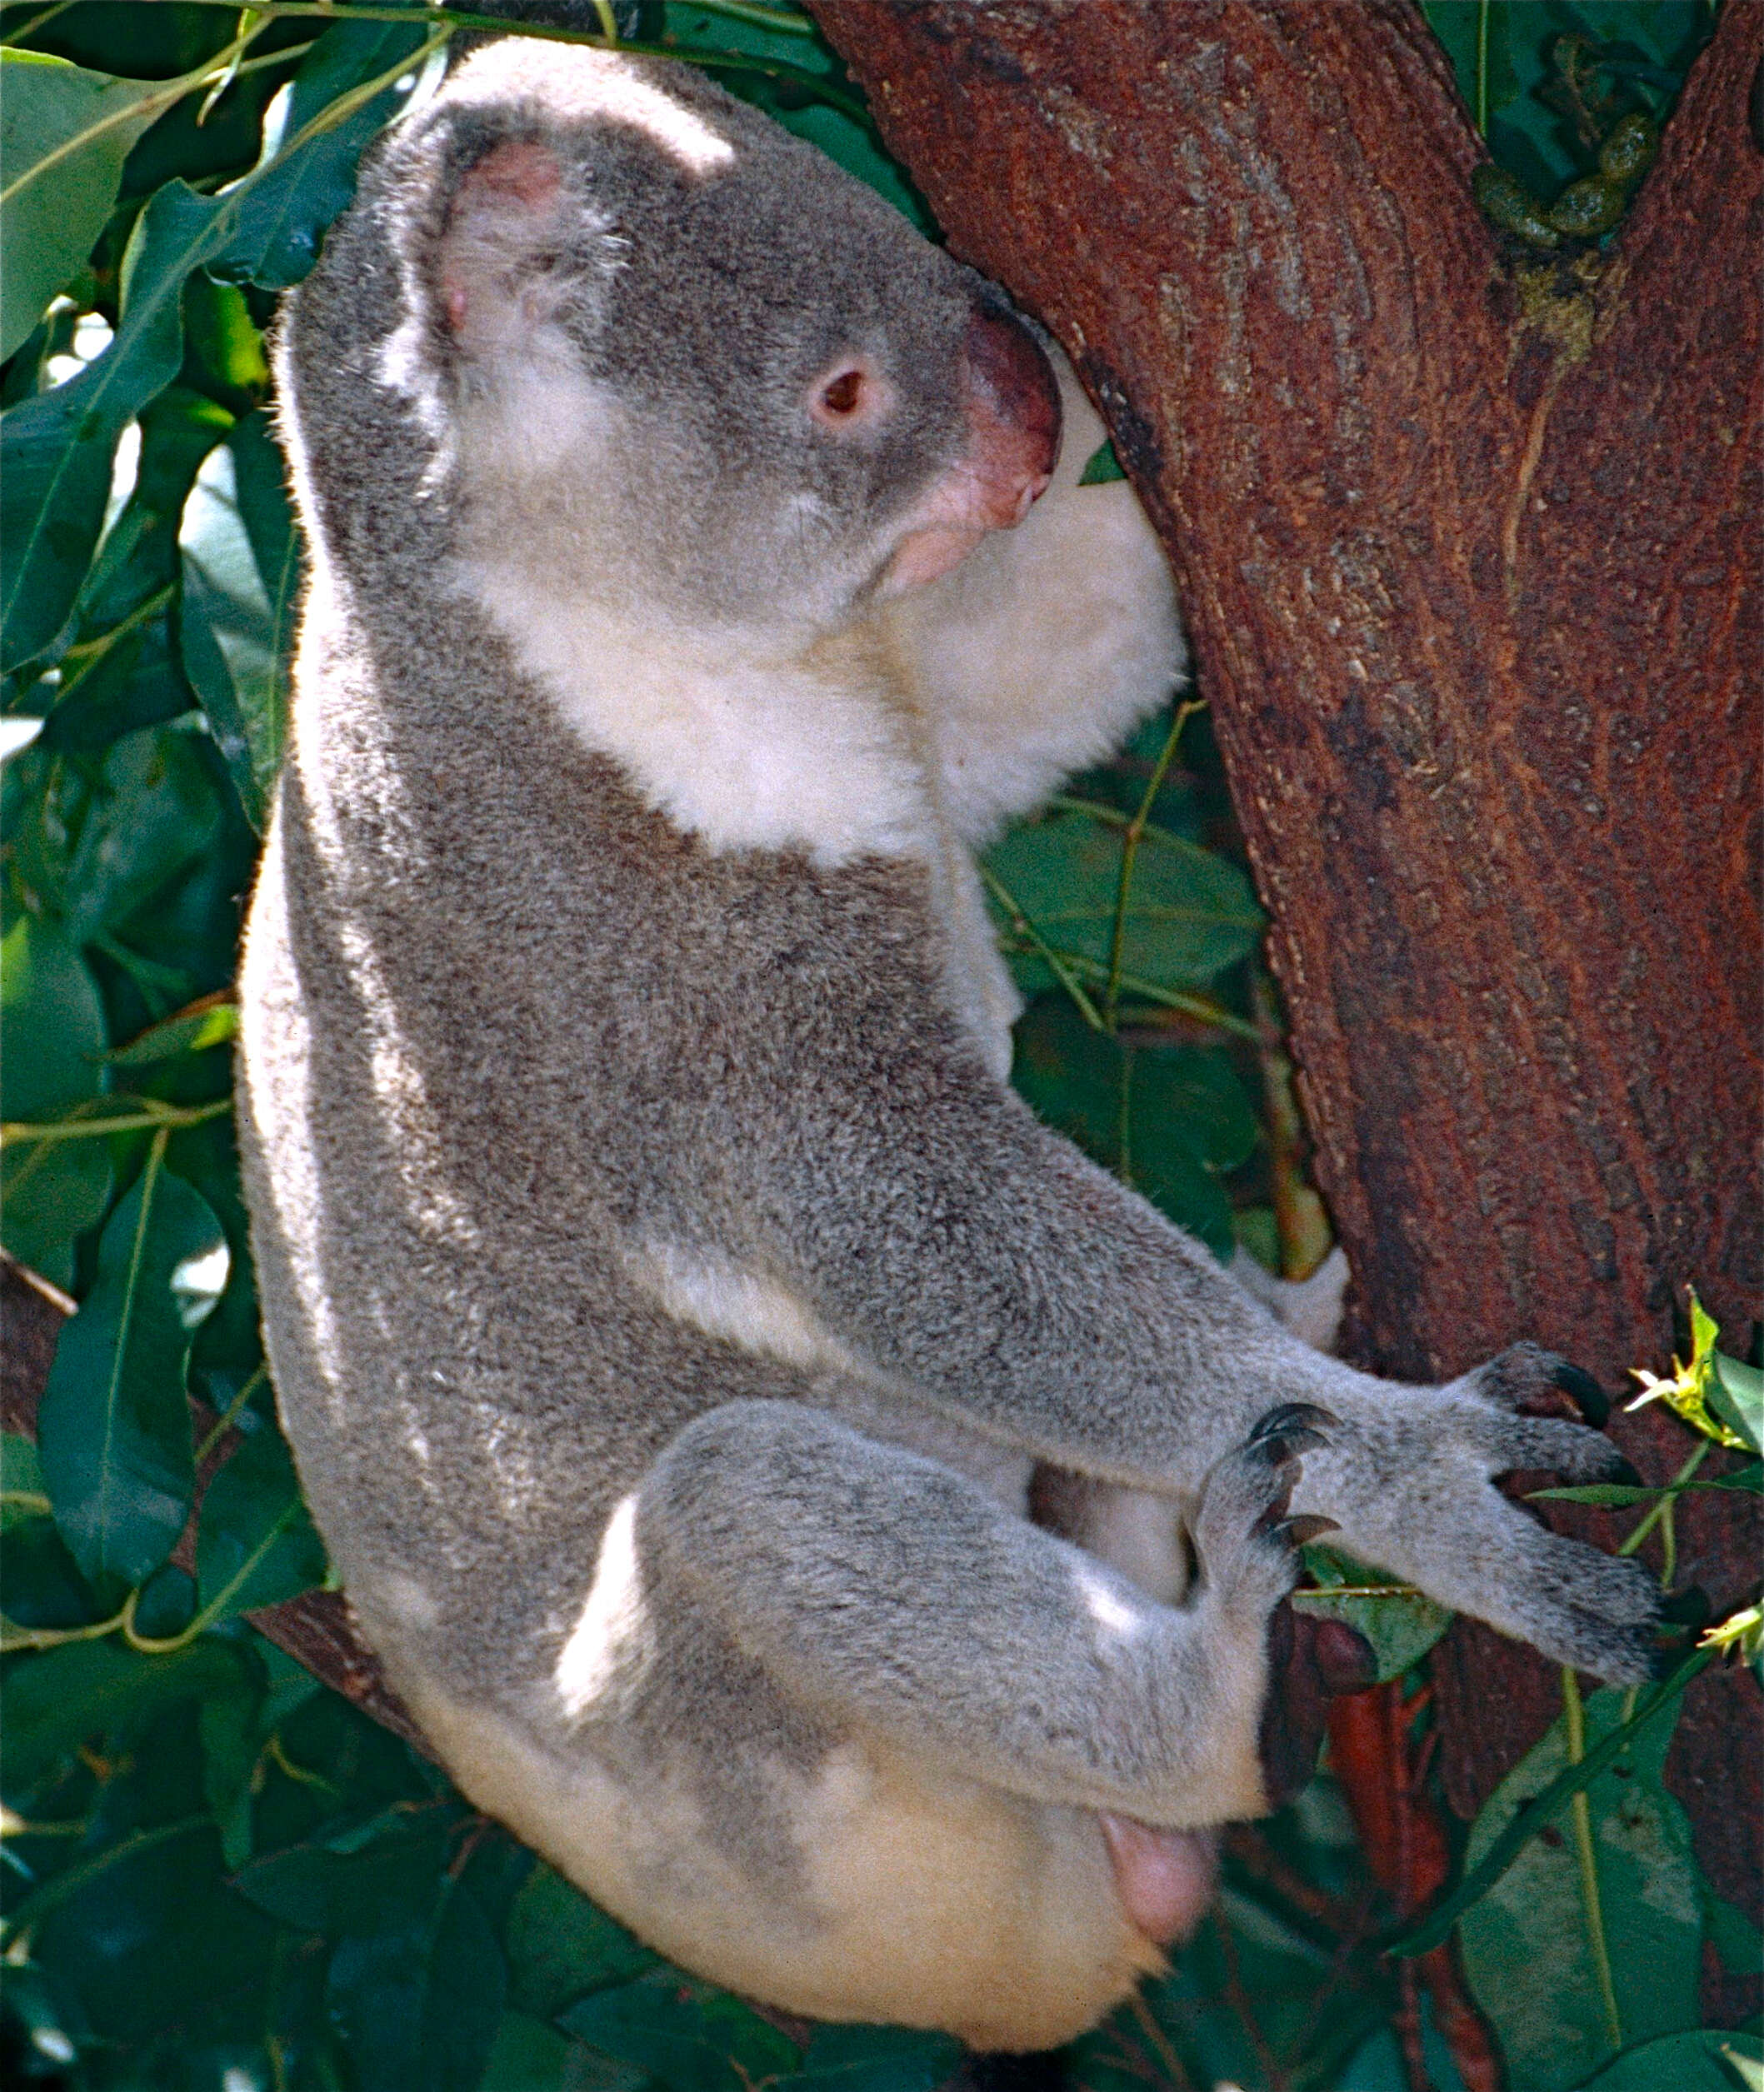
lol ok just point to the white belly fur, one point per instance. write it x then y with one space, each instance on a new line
929 1900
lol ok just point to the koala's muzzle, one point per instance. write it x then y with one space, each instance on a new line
1012 402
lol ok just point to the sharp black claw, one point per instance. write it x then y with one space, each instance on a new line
1591 1400
1289 1419
1304 1527
1277 1451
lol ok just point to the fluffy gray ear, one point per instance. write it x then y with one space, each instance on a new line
505 268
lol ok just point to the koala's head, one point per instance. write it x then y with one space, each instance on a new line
683 358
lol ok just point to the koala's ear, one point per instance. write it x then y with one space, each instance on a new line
504 269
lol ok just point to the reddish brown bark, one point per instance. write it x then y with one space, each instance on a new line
1469 556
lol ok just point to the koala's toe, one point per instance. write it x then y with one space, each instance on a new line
1571 1450
1526 1376
1620 1655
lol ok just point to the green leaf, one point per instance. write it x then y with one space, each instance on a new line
559 1945
283 223
152 813
190 1031
873 2059
1738 1944
55 449
92 1691
1189 914
420 2005
529 2056
1101 466
114 1423
64 134
1175 1117
256 1545
52 1046
1696 2062
1736 1393
693 2040
1402 1627
241 579
21 1492
390 1883
1525 1948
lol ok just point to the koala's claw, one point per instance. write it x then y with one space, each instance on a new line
1305 1526
1277 1449
1591 1400
1281 1422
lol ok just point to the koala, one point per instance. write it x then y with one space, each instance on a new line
670 1303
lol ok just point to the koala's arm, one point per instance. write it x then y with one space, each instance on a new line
981 1264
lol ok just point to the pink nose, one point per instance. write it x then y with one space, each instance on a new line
1013 410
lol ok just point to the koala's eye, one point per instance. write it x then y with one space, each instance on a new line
849 395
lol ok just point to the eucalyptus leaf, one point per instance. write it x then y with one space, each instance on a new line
64 135
420 2004
55 449
1701 2061
114 1423
1528 1953
875 2058
23 1494
1735 1394
256 1545
1171 1119
91 1692
52 1047
692 2042
529 2056
190 1031
284 219
1401 1627
241 578
561 1946
389 1882
1190 913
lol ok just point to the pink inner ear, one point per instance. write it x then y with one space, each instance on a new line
519 171
515 184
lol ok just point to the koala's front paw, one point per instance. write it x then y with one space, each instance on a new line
1247 1544
1581 1607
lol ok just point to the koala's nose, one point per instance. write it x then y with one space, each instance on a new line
1013 412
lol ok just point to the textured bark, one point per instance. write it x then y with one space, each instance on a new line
1469 554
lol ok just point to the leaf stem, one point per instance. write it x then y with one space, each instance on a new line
1574 1715
212 1438
1436 1928
1699 1453
157 1117
1056 961
1135 829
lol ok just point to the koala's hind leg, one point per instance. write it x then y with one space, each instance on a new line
989 1697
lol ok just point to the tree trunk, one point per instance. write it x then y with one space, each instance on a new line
1467 546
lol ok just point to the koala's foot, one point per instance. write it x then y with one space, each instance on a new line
1417 1497
1247 1544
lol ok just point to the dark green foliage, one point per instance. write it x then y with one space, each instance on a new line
218 1872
